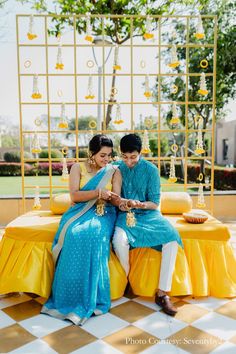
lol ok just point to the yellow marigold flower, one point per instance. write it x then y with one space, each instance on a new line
174 120
199 35
89 38
116 67
174 64
59 66
36 151
63 125
37 207
201 205
203 92
199 151
145 151
147 94
36 96
172 179
31 36
120 121
148 35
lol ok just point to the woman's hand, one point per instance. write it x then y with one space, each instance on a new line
108 195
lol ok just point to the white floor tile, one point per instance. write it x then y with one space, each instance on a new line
41 325
164 348
13 300
160 325
98 347
5 320
120 301
209 303
37 346
101 326
226 348
217 325
147 302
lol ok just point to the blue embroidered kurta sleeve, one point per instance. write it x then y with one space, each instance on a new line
154 187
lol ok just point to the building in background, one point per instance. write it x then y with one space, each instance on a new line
225 144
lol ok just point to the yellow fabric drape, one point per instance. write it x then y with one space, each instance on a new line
204 267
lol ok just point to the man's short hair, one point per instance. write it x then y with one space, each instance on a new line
130 143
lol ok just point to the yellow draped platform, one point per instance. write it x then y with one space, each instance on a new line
206 266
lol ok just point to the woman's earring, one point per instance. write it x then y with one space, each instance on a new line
91 160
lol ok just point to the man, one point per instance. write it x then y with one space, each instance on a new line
139 186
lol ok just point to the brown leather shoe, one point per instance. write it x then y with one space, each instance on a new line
166 305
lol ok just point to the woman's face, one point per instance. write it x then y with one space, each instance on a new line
103 157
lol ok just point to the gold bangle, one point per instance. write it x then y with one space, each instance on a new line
99 193
127 204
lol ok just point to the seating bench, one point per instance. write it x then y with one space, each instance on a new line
206 265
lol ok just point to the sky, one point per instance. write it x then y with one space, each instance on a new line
9 105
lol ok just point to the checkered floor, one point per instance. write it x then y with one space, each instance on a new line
133 325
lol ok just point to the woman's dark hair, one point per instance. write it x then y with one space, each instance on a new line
97 142
130 143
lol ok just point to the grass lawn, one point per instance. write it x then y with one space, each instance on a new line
11 186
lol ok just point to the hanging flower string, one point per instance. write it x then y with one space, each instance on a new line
201 200
65 173
116 65
118 119
175 118
203 88
200 31
63 121
88 36
37 204
146 147
36 94
31 35
59 63
174 59
90 94
172 177
148 29
147 92
199 147
36 148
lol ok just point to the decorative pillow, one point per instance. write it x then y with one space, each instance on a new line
175 202
60 203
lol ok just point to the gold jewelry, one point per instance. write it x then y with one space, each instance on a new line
91 160
130 219
100 208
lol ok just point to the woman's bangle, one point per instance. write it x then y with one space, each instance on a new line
121 205
127 204
99 193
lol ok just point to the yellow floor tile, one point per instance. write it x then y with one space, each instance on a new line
188 312
228 309
23 310
131 311
131 340
69 339
13 337
195 341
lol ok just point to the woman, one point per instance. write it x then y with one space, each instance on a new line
81 285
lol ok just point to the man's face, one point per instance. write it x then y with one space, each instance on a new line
130 158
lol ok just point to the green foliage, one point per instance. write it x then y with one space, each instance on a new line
12 156
55 153
10 141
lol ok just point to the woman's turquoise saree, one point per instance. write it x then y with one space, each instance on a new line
81 285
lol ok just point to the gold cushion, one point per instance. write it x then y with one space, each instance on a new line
60 203
175 202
